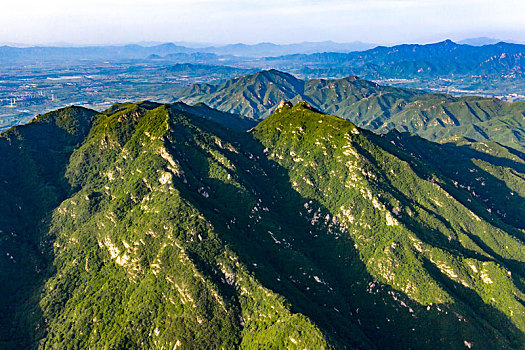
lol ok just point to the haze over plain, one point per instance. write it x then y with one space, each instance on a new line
231 21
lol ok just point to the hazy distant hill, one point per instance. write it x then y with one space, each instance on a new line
369 105
439 59
190 58
170 50
90 52
480 41
270 49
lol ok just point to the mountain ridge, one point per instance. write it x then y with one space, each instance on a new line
304 231
493 69
369 105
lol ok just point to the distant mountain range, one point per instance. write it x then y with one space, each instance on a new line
480 41
148 226
270 49
443 59
136 51
369 105
455 57
491 70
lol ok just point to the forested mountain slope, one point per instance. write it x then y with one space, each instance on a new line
371 106
305 232
32 165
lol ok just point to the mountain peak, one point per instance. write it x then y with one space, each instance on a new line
284 104
306 105
299 106
73 119
273 72
446 42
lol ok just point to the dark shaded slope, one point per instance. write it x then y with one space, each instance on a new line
487 171
32 164
232 121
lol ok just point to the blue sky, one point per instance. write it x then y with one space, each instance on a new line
251 21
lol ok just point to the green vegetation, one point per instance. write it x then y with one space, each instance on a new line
371 106
236 122
170 230
32 184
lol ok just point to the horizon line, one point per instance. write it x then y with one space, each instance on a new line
204 45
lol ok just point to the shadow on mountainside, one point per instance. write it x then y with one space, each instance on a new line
281 236
446 162
321 274
486 195
32 183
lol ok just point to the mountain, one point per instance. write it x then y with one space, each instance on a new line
254 95
183 52
45 53
271 49
32 184
157 228
415 60
480 41
369 105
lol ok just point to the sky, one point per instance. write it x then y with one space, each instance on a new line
250 21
